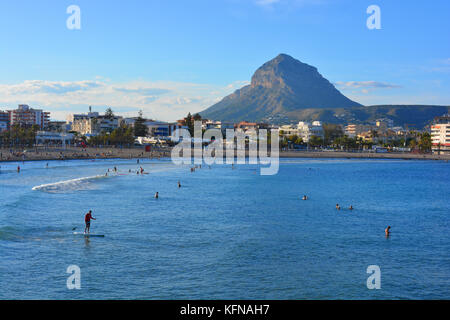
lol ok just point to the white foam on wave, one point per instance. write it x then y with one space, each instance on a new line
67 185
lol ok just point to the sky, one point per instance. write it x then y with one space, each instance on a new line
168 58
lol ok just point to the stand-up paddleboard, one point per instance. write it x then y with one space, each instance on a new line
90 235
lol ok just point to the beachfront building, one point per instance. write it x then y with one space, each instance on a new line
160 129
48 138
307 130
108 124
288 130
244 125
157 129
440 135
85 127
75 117
58 126
4 121
91 126
304 130
26 116
212 124
356 130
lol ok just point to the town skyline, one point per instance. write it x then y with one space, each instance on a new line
132 59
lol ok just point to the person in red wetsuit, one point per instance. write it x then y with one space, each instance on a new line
87 219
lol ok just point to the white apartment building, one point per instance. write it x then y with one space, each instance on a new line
223 126
85 126
74 117
304 130
58 138
440 135
95 125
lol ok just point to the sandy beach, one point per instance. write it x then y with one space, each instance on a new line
40 153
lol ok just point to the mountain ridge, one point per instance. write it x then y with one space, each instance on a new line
284 90
280 85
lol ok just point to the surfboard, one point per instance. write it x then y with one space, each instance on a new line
89 234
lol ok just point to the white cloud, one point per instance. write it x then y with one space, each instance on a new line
365 85
160 100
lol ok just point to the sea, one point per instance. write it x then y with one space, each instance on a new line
227 232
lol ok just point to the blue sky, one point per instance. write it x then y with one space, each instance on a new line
170 57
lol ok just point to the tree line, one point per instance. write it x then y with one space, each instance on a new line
334 137
19 136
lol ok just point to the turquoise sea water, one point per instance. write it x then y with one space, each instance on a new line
226 233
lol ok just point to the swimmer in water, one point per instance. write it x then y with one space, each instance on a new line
305 198
338 207
351 207
179 184
387 231
156 195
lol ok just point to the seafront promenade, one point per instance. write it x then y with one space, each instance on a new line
35 154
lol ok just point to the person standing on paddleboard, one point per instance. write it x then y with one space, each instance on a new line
87 219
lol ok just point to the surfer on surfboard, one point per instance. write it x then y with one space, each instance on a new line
87 220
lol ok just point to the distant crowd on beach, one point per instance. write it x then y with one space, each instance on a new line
74 153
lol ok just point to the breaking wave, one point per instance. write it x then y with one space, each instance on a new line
68 185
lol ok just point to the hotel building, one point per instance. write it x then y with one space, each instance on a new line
440 135
304 130
26 116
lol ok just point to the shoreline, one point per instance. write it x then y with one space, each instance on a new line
50 154
41 154
362 155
